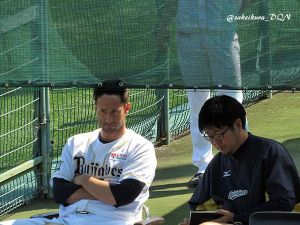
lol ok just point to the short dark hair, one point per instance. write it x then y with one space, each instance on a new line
112 87
221 111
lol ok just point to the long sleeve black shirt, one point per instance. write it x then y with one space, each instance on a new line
259 176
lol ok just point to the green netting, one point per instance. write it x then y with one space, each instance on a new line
82 43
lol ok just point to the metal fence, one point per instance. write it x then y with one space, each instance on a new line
19 152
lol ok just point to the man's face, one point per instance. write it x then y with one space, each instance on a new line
225 139
111 113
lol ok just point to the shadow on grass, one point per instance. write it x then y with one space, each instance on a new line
159 191
170 184
172 173
292 146
175 172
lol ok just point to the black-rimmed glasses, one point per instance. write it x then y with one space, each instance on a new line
218 137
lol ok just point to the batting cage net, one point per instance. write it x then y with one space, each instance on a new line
147 43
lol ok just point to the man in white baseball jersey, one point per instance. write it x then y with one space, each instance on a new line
105 174
209 53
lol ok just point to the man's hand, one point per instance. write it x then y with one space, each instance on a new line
79 195
227 216
81 179
98 189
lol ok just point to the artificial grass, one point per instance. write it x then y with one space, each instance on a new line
277 118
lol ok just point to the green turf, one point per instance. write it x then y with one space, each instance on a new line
277 118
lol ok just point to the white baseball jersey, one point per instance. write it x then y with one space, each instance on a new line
129 157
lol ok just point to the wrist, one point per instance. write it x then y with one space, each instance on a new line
81 179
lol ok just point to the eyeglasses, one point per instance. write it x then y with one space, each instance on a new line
217 137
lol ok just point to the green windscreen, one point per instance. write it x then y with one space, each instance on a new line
63 43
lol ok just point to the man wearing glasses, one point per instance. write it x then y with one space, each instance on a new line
246 169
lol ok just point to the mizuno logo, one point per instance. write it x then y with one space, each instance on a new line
226 173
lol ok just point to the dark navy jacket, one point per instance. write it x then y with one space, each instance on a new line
259 176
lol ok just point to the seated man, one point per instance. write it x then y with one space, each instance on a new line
105 174
246 169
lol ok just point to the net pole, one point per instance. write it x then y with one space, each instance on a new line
265 60
44 99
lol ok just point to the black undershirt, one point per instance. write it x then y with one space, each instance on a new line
124 192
